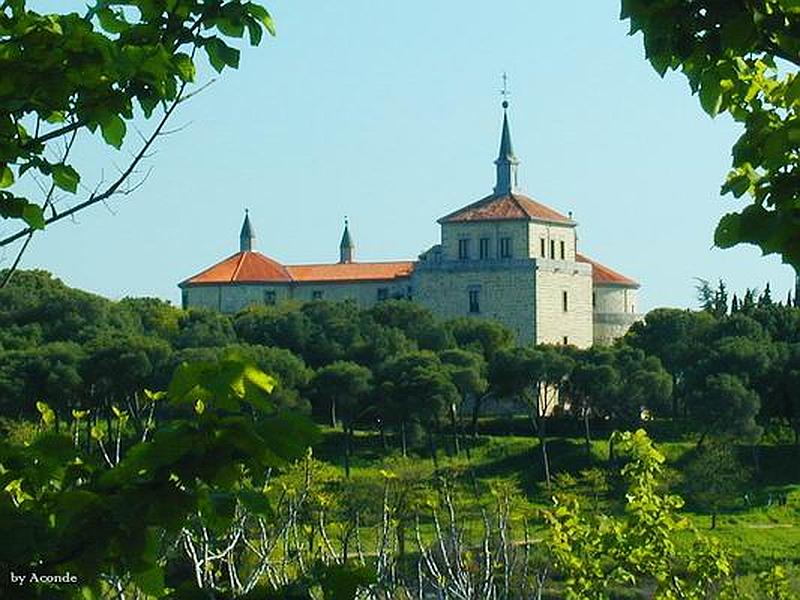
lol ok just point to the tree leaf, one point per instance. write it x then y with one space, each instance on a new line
185 67
6 176
114 130
33 215
65 177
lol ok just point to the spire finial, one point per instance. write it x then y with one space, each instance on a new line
346 246
506 163
247 235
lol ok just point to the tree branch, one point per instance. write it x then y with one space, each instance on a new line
114 187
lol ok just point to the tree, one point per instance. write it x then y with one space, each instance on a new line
72 73
487 337
713 478
416 389
342 387
740 57
594 378
535 375
467 371
200 327
724 407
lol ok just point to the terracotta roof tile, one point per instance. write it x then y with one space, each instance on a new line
254 267
242 267
602 275
379 271
509 207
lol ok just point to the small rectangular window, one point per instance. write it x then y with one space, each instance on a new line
474 301
552 249
463 249
563 250
383 294
409 293
594 300
316 295
543 247
483 248
566 340
269 296
505 247
565 301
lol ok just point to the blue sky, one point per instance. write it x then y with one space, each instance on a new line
389 113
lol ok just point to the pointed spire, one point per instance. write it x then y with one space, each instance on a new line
346 246
507 161
247 236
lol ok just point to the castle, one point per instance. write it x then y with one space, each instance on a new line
505 257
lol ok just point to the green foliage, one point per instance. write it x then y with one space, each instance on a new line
740 58
70 72
596 552
65 512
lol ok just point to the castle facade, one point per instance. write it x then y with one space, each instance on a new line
505 257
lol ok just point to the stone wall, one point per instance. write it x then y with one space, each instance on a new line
494 230
551 233
614 312
506 291
555 325
365 293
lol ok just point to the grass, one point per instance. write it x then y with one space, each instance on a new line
760 535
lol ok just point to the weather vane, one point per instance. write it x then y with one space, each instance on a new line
505 93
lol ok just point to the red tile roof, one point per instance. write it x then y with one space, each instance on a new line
254 267
242 267
379 271
602 275
503 208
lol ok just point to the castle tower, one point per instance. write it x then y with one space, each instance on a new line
346 247
506 162
247 237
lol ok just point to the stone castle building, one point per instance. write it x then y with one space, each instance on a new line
505 257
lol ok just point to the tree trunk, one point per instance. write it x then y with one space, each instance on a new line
403 438
756 459
453 420
401 539
382 431
586 432
348 436
432 445
713 520
611 448
333 412
545 459
476 411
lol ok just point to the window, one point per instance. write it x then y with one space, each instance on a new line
316 295
409 293
552 248
563 250
269 296
474 301
383 294
594 300
463 249
565 301
566 340
543 247
483 248
505 247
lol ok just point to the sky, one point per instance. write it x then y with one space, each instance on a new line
389 113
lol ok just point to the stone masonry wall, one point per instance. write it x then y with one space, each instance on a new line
555 233
553 278
507 292
494 230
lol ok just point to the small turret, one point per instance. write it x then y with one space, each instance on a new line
506 162
247 237
346 246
